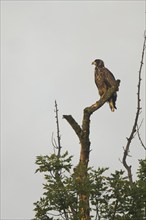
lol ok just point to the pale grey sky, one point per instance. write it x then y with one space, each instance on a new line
47 50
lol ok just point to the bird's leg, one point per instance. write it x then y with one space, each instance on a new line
101 96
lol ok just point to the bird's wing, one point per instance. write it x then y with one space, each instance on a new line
109 78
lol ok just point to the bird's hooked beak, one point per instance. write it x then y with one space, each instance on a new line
93 63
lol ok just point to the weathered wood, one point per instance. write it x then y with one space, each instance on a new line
76 127
83 133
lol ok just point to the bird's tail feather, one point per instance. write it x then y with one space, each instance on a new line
112 105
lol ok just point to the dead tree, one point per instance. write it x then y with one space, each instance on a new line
83 133
135 128
58 131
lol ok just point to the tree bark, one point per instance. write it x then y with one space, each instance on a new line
83 133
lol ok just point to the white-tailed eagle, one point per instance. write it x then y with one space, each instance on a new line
104 79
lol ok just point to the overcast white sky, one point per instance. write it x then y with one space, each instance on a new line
47 50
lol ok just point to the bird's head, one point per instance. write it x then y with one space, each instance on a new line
98 63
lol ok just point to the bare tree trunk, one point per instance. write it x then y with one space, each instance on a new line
135 128
83 135
58 131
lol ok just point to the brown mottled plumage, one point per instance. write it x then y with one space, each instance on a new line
104 79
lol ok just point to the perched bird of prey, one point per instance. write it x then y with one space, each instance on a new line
104 79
